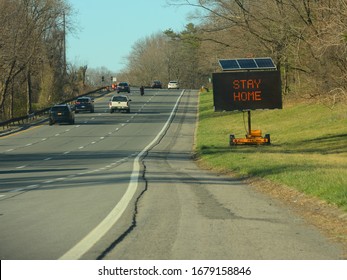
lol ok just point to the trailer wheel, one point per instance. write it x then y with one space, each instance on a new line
231 140
267 136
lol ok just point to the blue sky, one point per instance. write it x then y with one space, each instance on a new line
107 29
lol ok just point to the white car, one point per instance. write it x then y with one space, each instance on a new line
173 85
119 103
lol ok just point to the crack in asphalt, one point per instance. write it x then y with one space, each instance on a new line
134 217
133 223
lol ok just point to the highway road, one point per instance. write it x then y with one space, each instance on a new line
125 186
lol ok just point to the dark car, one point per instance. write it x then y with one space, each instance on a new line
123 87
156 84
61 114
84 104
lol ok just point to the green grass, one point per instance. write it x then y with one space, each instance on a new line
308 148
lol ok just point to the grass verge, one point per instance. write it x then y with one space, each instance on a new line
308 150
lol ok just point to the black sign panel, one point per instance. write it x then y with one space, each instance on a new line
247 90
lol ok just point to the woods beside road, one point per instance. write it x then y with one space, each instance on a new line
306 39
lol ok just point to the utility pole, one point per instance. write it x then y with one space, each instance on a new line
64 44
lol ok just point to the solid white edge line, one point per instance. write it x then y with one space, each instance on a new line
100 230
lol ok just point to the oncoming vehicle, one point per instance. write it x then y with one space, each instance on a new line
61 114
119 103
173 85
123 87
84 104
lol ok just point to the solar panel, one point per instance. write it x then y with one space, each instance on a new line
265 63
247 64
229 64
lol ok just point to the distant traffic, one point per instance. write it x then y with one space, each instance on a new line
65 113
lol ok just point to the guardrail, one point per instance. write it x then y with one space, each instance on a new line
29 118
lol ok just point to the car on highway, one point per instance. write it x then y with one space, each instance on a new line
62 113
123 87
84 104
119 103
173 85
156 84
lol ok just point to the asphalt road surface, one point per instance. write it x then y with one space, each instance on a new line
125 186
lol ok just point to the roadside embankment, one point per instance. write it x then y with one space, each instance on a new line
305 165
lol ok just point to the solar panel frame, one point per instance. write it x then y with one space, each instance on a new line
260 63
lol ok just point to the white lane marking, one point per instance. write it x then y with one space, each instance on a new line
48 182
10 150
27 145
57 134
105 225
21 167
68 152
16 190
82 147
43 139
31 187
24 189
60 179
49 158
2 195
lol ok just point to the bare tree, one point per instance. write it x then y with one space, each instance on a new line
307 38
146 61
27 32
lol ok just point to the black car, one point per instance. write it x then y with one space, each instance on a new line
61 114
84 104
123 87
156 84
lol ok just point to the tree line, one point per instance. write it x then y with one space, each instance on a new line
306 38
33 68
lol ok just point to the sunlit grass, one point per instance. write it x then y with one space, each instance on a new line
308 150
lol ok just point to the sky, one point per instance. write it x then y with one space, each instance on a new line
106 30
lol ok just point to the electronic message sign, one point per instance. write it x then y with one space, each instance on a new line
248 90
